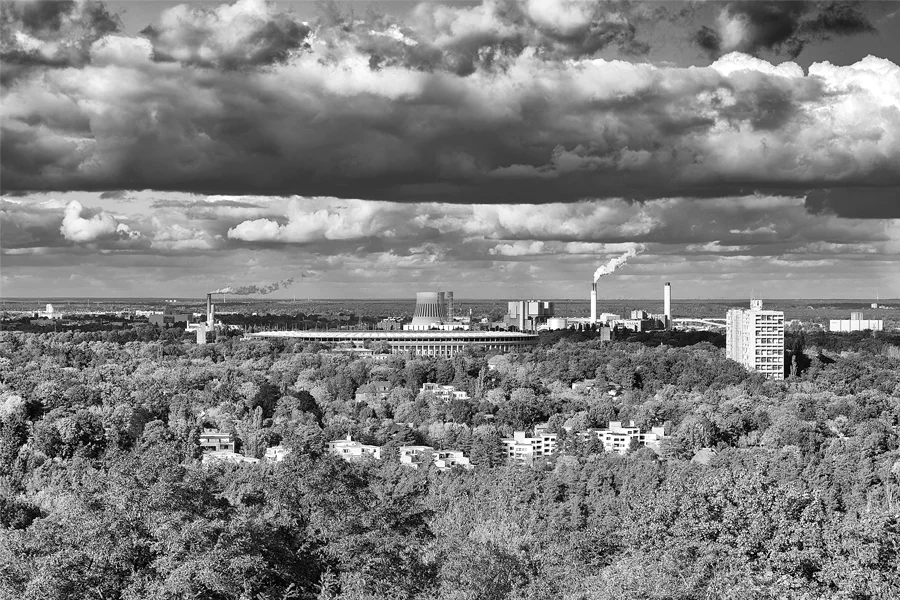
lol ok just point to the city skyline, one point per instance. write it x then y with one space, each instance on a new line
502 150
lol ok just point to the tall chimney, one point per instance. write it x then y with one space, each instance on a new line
593 303
210 318
667 304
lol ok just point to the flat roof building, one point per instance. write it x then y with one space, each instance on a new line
523 449
755 338
856 322
212 440
423 343
348 449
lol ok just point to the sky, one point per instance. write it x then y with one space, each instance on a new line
497 149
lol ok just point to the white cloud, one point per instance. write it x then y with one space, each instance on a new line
76 228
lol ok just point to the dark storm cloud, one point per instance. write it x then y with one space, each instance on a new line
783 27
413 111
856 202
50 33
464 39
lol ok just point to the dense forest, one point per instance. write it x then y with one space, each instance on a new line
103 495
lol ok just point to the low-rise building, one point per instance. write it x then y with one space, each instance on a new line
276 453
856 322
447 459
348 449
444 392
213 440
618 438
523 449
377 390
414 456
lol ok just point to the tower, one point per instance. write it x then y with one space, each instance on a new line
667 304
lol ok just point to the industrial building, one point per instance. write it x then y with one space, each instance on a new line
528 315
856 322
48 313
755 338
434 311
169 319
423 343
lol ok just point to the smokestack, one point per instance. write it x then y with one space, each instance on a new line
210 313
593 303
667 304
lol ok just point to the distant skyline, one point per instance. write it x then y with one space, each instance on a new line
497 149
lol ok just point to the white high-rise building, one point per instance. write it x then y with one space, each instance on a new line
755 338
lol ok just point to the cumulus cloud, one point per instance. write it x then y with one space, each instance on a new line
247 33
79 225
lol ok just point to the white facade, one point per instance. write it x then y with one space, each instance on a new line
212 440
351 450
856 322
667 304
444 392
276 453
523 449
414 456
618 438
755 338
50 313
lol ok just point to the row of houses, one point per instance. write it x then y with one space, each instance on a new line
521 448
220 447
618 438
414 456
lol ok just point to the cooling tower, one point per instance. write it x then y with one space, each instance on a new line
431 309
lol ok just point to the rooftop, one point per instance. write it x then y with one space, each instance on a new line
396 335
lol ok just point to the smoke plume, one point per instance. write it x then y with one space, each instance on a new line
617 262
247 290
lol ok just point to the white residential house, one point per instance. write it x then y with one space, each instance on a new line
352 450
447 459
523 449
442 459
444 392
415 455
276 453
213 440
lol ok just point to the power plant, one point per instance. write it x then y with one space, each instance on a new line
434 310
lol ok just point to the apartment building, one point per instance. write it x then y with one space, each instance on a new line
618 438
523 449
755 338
